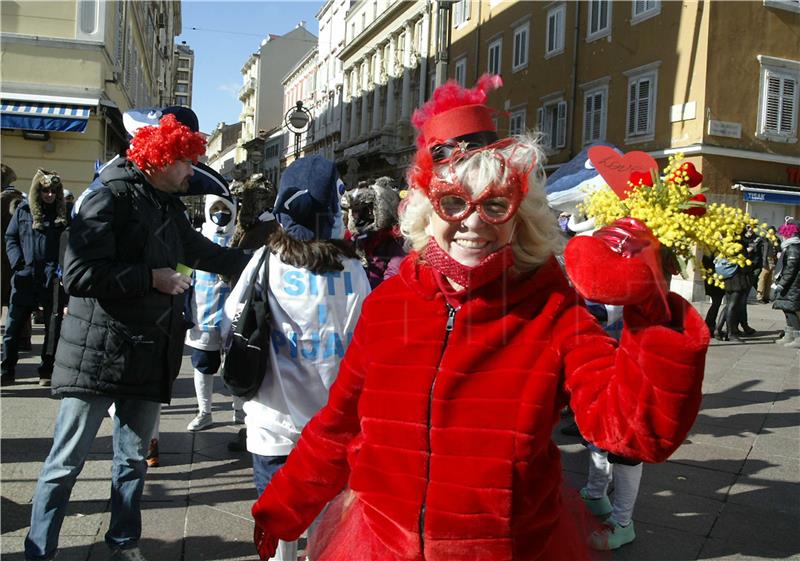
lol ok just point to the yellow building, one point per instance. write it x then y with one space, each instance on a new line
717 81
69 68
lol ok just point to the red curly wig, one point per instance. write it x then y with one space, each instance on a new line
451 112
157 147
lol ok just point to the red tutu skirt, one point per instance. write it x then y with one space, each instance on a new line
343 534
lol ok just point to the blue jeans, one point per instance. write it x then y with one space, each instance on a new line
77 423
264 467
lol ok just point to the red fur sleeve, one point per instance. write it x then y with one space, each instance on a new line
317 469
638 400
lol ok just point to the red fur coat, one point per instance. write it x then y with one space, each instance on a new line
444 437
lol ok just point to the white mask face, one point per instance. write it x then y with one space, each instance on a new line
337 231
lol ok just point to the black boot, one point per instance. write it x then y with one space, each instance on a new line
240 444
7 377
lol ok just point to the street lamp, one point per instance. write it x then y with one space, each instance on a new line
297 120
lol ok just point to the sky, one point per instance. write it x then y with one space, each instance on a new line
223 35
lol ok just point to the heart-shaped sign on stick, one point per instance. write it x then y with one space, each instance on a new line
616 169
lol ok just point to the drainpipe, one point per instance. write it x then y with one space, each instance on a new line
478 42
574 78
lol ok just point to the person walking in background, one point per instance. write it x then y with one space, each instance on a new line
255 223
10 198
716 294
32 241
208 297
769 253
737 286
787 283
316 287
122 338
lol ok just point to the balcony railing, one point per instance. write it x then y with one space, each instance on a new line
248 88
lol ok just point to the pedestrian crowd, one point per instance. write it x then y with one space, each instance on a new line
415 350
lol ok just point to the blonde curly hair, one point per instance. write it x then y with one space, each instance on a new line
536 235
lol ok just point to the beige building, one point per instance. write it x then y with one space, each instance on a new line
262 93
716 81
662 77
390 60
183 74
221 148
69 68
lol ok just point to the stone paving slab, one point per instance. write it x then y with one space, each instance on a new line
754 528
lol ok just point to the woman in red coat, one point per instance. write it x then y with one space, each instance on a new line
435 442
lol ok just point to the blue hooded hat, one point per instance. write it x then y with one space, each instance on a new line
307 206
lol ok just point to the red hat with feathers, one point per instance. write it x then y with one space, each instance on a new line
453 113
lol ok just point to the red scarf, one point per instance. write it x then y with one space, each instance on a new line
490 267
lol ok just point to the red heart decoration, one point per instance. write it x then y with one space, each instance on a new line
616 169
697 210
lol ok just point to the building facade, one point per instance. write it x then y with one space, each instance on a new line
388 71
329 78
262 93
183 74
69 69
661 77
221 149
299 86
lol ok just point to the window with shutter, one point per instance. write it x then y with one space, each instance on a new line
599 18
777 116
554 43
495 48
594 116
460 71
516 122
552 122
460 12
641 106
644 9
119 47
520 57
561 125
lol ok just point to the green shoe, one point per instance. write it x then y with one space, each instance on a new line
611 536
599 507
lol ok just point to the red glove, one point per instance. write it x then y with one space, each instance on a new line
620 265
265 543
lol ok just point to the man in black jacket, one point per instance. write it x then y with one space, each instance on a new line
122 339
31 242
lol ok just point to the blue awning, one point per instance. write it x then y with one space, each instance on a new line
54 117
769 193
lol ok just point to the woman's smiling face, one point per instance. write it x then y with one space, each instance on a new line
470 240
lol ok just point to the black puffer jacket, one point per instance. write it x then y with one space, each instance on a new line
788 292
121 337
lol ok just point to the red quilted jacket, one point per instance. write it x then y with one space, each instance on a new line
440 420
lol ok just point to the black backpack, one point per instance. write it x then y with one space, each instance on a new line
247 358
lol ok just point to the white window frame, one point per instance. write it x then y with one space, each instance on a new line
498 45
558 12
590 117
600 32
98 32
460 70
636 78
551 121
785 72
461 10
516 121
519 57
642 10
